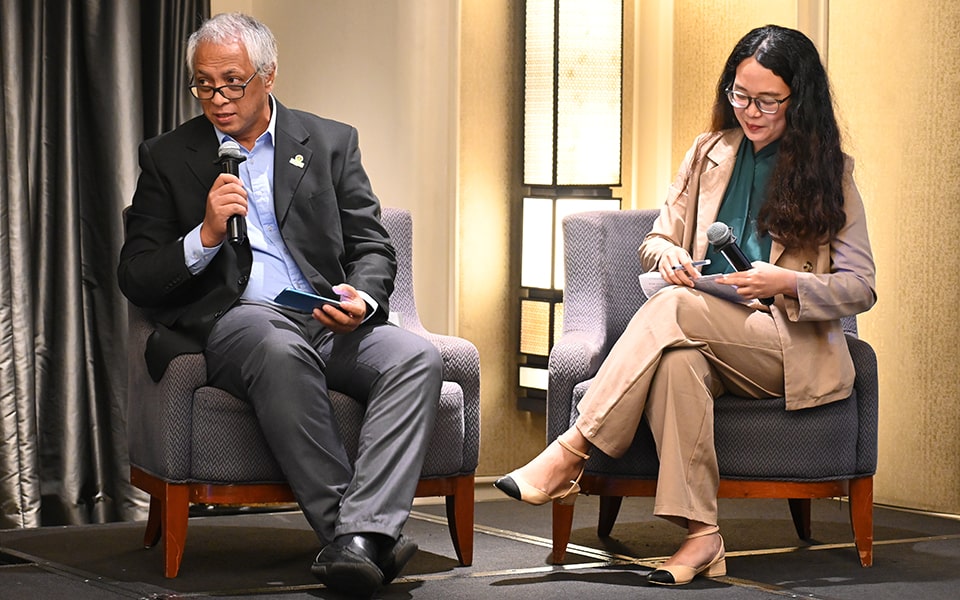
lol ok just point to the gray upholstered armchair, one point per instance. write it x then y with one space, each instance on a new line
763 450
191 443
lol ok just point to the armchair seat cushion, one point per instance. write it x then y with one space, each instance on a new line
228 446
761 440
758 439
444 456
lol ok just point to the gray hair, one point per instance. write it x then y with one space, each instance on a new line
226 28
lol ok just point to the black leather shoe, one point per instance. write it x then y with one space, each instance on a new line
349 565
395 556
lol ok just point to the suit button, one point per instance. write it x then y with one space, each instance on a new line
242 281
218 314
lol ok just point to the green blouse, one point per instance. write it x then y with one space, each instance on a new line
745 193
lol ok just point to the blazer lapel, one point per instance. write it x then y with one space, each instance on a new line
721 159
291 160
776 251
202 146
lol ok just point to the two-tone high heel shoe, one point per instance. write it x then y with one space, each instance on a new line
517 487
682 574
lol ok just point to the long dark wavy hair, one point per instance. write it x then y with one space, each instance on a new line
804 204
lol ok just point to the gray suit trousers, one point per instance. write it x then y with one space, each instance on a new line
284 363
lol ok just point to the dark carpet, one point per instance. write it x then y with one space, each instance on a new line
267 555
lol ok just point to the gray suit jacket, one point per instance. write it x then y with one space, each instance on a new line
327 211
834 280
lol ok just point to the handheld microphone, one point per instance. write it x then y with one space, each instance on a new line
230 157
721 237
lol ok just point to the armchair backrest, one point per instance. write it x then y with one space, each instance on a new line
399 224
601 291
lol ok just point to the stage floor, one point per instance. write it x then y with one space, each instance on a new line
257 554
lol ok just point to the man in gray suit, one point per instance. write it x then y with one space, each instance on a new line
312 223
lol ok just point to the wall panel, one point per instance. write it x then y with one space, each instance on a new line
705 31
896 73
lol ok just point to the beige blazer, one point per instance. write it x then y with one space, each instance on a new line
833 281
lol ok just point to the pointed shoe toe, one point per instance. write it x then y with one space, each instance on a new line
682 574
518 488
509 487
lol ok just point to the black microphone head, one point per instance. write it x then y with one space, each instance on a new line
719 234
230 149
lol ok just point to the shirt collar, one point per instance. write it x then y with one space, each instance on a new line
767 151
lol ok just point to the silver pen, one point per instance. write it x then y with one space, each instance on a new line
696 263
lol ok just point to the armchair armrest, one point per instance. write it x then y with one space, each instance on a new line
574 358
601 294
461 365
868 404
159 413
461 361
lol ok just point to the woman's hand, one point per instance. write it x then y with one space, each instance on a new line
763 280
348 316
676 256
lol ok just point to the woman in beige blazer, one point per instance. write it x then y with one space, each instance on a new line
772 169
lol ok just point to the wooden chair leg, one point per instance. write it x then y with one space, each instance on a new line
562 526
800 511
175 509
861 518
460 518
152 534
609 509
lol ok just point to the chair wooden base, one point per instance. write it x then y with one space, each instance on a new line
170 507
612 491
459 494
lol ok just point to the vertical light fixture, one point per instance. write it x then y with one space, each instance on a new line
571 157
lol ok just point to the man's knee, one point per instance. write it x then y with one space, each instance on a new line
424 355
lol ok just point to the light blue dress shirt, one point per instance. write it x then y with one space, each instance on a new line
273 266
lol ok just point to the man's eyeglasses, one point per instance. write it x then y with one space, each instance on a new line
768 106
233 91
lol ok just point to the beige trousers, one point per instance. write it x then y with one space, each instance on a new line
681 350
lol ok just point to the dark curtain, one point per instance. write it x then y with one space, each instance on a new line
81 84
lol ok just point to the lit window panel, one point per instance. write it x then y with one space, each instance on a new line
536 258
588 92
535 327
538 94
573 93
534 378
